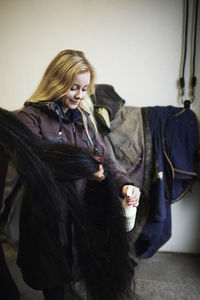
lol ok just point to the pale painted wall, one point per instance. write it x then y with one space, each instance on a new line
133 44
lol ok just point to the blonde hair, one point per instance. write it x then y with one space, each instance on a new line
58 79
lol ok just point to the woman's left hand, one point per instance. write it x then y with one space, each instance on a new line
99 175
135 196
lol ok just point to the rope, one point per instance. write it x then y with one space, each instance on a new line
193 79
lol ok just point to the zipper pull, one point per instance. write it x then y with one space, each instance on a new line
73 127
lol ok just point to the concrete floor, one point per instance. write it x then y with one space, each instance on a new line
169 276
165 276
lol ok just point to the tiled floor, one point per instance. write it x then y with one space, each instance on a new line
165 276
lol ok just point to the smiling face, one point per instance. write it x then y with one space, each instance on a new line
77 92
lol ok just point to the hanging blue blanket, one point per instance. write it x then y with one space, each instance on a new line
175 144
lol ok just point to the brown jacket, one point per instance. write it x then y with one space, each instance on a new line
43 120
46 121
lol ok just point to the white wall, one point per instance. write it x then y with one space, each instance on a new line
135 45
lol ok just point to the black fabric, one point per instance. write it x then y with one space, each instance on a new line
54 294
48 172
74 115
105 96
101 124
8 288
4 216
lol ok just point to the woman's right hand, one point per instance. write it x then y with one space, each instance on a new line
99 175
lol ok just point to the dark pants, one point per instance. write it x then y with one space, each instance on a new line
8 288
54 294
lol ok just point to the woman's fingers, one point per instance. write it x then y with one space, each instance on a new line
133 195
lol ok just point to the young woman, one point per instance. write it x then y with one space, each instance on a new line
60 111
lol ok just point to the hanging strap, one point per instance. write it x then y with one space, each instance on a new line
184 47
193 79
194 39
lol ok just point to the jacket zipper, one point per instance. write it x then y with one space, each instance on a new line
74 132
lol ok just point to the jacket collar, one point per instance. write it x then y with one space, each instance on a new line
55 108
72 115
